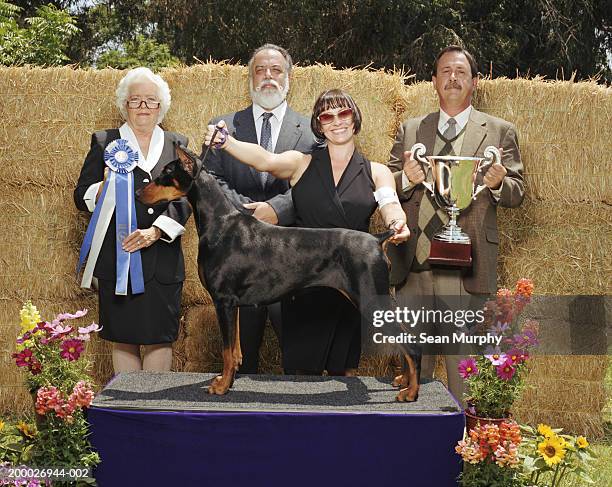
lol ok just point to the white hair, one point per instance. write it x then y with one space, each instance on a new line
138 75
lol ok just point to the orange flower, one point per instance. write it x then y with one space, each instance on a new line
524 287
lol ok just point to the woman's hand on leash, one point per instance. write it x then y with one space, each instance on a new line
141 238
220 137
402 232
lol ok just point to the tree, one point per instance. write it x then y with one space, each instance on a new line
42 41
141 51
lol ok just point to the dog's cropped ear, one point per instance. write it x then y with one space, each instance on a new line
188 162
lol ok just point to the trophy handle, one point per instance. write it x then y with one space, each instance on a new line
491 156
418 154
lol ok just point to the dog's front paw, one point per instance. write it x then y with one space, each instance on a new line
400 381
219 386
408 394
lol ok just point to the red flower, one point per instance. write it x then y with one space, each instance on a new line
35 368
72 349
24 358
506 371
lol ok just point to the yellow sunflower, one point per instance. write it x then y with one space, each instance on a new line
545 430
2 423
26 429
552 450
582 442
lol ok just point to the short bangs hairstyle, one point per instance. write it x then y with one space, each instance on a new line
138 75
329 100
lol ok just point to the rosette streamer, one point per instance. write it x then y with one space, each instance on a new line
117 196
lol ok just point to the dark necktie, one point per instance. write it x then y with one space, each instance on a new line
266 141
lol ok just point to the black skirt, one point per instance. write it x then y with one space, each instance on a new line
141 319
321 330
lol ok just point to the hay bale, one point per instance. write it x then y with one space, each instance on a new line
565 249
565 220
567 392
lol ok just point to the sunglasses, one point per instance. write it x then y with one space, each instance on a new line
343 115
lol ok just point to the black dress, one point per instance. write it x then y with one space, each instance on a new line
151 317
321 328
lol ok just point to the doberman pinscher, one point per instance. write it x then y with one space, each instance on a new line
242 261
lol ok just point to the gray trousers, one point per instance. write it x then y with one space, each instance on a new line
435 284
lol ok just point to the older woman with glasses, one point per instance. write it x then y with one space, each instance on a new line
141 242
334 187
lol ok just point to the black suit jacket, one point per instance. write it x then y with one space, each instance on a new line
162 260
240 182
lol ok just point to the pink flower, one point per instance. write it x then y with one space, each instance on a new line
525 339
497 358
48 399
506 370
72 349
69 316
94 327
24 358
82 395
85 331
468 368
58 330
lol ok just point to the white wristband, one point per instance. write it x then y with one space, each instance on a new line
385 195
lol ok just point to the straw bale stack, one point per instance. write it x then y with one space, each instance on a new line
560 237
567 392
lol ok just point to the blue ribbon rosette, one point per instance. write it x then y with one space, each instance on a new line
118 196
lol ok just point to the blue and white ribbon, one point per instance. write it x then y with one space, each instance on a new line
117 196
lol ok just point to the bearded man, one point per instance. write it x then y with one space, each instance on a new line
270 123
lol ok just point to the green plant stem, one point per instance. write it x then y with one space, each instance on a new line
562 473
554 480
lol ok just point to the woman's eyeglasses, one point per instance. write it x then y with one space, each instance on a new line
150 104
343 115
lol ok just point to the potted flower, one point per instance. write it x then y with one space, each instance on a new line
490 453
550 458
51 353
495 378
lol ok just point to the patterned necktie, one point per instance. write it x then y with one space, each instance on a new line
265 141
451 131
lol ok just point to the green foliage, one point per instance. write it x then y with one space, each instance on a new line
140 51
16 442
489 475
42 40
536 36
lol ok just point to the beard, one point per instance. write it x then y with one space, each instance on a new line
271 96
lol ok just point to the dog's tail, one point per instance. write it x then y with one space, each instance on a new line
383 237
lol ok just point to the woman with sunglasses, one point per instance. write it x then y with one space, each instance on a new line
334 187
149 318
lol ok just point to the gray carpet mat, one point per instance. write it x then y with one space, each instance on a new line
182 391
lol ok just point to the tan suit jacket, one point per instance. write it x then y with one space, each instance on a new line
479 221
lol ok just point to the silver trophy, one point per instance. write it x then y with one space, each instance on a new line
453 188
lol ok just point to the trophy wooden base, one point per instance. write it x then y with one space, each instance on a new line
450 254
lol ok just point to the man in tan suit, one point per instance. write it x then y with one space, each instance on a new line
456 129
